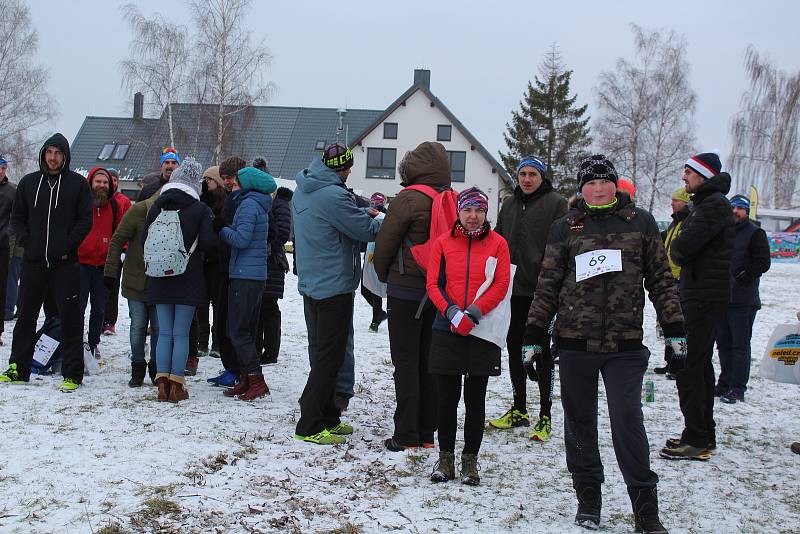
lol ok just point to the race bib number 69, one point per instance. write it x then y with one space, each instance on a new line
596 262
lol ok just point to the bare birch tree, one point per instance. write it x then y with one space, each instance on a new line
231 65
158 60
25 104
647 106
765 132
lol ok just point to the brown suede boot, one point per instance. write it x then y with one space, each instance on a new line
239 388
163 388
257 388
177 391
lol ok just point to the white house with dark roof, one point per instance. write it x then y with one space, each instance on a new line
417 116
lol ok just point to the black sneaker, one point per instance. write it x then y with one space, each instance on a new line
731 397
720 390
395 446
685 451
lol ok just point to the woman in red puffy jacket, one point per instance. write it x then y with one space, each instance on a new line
456 270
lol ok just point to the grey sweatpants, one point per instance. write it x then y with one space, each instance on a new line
622 374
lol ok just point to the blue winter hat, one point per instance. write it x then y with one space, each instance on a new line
740 201
531 161
256 179
3 161
169 153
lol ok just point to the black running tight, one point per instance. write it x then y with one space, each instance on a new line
475 402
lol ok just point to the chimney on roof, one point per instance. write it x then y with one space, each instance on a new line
422 77
138 106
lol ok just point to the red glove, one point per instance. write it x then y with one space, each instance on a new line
465 326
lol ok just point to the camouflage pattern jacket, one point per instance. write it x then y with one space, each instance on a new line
603 313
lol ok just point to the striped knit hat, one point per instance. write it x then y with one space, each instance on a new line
706 164
473 197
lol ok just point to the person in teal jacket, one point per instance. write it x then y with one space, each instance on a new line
247 273
329 229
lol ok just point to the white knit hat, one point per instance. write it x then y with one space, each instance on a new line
189 173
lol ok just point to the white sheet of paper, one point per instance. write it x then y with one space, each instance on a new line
597 262
44 348
456 320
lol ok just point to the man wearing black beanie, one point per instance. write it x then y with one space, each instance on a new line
703 251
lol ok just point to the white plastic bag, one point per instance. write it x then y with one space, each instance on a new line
91 366
369 277
781 361
493 326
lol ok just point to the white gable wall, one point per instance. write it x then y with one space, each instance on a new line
416 122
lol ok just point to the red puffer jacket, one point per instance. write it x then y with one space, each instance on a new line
458 268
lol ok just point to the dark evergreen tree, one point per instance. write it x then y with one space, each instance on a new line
549 126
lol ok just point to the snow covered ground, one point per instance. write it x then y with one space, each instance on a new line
110 457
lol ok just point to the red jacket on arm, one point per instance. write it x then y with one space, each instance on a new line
94 248
458 268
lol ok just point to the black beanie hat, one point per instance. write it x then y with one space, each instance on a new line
337 157
594 168
706 164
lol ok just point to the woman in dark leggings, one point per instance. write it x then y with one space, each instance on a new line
455 274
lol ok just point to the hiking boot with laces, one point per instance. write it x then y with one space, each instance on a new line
512 418
445 468
645 511
322 438
469 470
590 502
541 431
11 376
69 385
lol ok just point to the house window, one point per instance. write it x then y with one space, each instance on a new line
320 144
381 163
458 165
106 152
444 132
120 152
390 130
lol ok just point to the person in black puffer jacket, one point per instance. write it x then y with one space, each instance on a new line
268 335
52 215
177 297
751 259
703 252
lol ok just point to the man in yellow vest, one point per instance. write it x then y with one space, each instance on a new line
680 210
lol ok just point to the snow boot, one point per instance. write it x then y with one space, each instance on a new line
590 502
177 391
138 370
163 388
151 370
445 468
239 388
257 387
645 510
191 365
469 470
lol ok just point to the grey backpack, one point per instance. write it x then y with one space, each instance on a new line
165 253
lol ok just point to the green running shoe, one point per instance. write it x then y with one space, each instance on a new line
11 376
541 430
342 429
512 418
69 385
322 438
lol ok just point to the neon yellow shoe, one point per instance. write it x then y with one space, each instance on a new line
11 376
69 385
342 429
541 430
322 438
512 418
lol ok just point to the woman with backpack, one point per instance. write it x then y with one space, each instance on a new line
174 285
456 271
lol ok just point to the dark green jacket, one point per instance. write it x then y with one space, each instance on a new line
524 222
134 281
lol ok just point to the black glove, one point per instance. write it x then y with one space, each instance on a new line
219 224
678 351
531 354
744 277
109 282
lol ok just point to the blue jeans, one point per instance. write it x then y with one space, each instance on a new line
346 378
734 331
172 348
92 286
12 286
140 314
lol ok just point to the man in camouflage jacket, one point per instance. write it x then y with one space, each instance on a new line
598 330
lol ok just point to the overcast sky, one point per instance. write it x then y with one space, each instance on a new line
481 55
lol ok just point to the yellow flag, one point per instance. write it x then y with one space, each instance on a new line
753 202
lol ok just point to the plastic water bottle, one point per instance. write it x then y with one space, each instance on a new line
649 391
